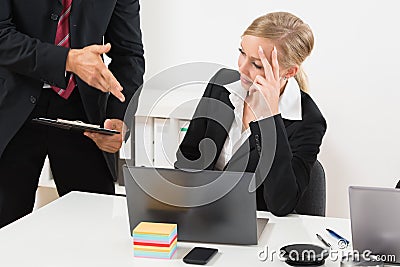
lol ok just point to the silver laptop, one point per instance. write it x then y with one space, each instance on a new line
207 206
375 221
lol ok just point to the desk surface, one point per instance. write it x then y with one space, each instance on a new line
82 229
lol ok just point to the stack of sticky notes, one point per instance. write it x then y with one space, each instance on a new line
155 240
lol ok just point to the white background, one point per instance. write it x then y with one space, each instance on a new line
352 71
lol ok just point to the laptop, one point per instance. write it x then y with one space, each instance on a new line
375 221
207 206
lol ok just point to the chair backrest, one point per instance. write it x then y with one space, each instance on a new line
313 200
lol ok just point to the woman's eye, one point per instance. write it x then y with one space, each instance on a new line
253 63
257 66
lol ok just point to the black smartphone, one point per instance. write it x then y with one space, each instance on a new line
199 255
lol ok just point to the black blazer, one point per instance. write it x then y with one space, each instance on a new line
282 167
28 58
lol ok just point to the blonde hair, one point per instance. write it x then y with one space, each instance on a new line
292 37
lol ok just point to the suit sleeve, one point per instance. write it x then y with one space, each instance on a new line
188 151
294 157
127 61
192 152
29 56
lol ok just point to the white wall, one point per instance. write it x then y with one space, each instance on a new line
352 71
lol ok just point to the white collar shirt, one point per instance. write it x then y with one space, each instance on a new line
289 108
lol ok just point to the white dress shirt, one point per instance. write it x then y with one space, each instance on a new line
289 108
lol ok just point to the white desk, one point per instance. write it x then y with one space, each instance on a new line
82 229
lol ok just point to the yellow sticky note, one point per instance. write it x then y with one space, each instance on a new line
154 228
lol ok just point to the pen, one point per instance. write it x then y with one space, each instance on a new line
323 241
336 235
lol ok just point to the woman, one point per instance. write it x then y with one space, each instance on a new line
260 119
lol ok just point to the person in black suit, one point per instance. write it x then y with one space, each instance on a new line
51 66
260 119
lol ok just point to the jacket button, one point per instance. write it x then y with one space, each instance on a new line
32 99
54 16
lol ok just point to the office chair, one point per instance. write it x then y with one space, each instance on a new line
313 200
398 185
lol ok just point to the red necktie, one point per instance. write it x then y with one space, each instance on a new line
63 39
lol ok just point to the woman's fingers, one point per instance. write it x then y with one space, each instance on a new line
257 85
271 71
275 64
267 67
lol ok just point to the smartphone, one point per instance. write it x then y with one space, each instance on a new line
199 255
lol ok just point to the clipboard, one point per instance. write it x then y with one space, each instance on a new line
74 125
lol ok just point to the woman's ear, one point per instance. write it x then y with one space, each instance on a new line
291 72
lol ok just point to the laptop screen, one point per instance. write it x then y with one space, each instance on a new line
375 221
207 206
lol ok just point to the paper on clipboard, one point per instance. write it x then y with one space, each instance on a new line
74 125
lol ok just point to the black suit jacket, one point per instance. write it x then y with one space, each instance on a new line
28 57
280 152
